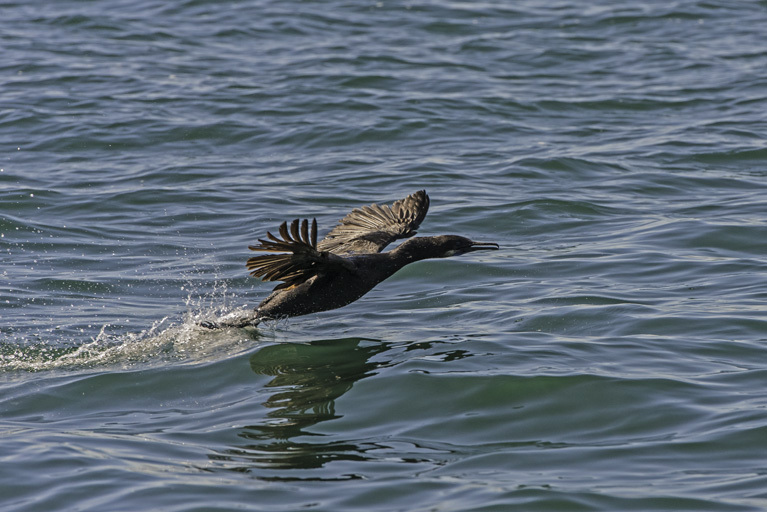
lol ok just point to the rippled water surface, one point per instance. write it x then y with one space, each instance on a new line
611 356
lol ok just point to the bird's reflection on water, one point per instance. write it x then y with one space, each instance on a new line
307 379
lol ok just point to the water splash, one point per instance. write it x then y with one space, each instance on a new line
167 340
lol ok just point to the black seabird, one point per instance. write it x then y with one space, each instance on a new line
347 263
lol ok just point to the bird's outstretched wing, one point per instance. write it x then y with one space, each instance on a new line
371 228
302 261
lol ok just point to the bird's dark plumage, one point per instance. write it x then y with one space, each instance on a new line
348 262
371 228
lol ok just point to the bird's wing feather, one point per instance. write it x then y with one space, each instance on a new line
302 261
371 228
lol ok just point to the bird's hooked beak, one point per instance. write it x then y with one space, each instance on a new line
481 246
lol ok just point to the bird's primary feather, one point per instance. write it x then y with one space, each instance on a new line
370 229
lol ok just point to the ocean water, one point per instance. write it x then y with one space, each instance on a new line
611 356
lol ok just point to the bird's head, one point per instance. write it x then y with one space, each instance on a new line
454 245
442 246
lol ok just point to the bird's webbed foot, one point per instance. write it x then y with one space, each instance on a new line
249 321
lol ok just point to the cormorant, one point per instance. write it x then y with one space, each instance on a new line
347 263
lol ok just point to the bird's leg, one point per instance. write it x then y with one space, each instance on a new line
240 322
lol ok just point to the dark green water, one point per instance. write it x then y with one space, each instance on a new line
611 356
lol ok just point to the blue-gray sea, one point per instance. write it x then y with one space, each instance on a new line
611 356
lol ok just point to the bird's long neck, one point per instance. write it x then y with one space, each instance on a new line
415 249
383 265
